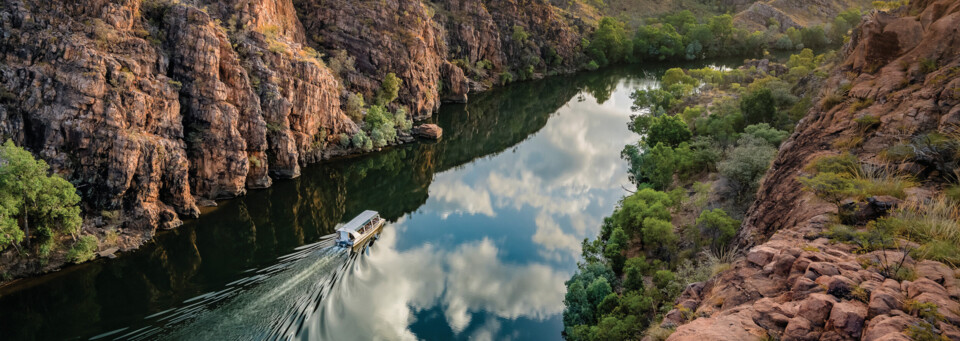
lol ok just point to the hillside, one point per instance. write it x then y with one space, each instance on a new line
805 275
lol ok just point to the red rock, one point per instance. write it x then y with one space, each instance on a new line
816 308
883 300
737 326
888 328
800 329
847 318
761 255
430 131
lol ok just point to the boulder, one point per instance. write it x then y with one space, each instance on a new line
888 327
847 318
883 300
800 329
761 255
816 308
429 130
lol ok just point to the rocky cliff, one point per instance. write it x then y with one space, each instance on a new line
153 108
902 68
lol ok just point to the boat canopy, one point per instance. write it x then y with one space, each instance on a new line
358 222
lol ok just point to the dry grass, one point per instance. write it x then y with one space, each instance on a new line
935 224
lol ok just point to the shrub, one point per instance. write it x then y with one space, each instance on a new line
506 77
717 227
747 163
519 34
845 163
389 89
354 107
758 106
83 250
831 187
667 129
767 133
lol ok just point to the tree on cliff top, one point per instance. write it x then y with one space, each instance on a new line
32 200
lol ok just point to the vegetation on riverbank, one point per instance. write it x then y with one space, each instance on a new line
38 210
684 36
706 138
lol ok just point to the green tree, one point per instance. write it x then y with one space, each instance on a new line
354 107
814 37
767 133
717 227
659 238
389 89
614 250
667 129
609 44
746 163
758 106
634 271
519 35
36 201
831 187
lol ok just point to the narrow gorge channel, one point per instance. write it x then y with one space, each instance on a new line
484 228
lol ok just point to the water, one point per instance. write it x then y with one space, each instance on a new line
484 228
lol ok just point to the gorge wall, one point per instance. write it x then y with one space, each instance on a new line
903 68
153 108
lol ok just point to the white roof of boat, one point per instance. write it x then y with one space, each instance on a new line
358 221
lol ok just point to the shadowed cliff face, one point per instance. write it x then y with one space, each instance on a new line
153 107
794 283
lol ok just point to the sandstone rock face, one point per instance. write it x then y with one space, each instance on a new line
798 286
151 107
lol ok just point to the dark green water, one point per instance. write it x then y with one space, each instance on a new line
485 226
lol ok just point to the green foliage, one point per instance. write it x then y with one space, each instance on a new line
32 200
765 132
506 77
519 34
609 43
389 89
354 107
635 269
758 106
717 227
831 187
634 209
380 123
814 37
360 140
845 164
747 162
677 76
83 250
667 129
659 238
614 249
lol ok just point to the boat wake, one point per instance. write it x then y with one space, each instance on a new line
272 303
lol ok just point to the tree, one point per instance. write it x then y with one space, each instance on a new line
634 270
639 206
598 290
667 129
30 199
354 107
767 133
389 89
717 227
609 44
831 187
758 106
659 238
746 163
814 37
519 35
614 250
676 76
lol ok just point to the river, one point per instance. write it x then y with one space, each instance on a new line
483 229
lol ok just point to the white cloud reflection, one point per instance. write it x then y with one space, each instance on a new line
565 173
379 299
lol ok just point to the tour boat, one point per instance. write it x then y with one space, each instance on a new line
360 229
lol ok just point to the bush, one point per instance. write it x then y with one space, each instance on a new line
506 77
83 250
354 107
717 227
747 163
767 133
831 187
389 89
758 106
667 129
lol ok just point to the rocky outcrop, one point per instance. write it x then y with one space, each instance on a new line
793 13
797 285
430 131
155 107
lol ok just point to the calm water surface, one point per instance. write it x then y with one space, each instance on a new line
484 228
